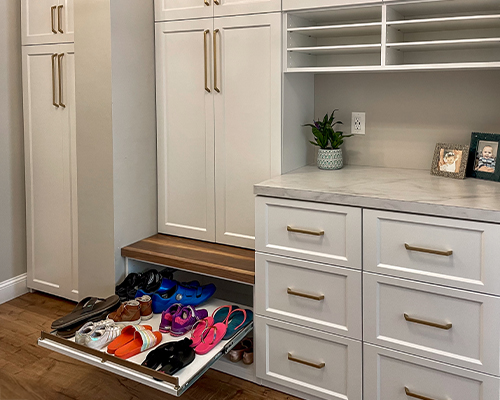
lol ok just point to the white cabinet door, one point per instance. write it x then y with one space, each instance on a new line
47 21
235 7
49 169
247 119
301 4
185 129
169 10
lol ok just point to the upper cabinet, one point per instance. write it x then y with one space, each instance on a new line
170 10
302 5
47 21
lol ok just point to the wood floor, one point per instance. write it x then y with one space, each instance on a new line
29 372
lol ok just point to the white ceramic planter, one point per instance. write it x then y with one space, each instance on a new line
330 159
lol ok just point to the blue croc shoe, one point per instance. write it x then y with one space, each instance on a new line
185 294
166 285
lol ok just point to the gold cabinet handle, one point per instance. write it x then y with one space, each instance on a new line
54 101
416 396
52 18
207 3
59 19
217 2
318 297
430 251
446 327
205 34
59 63
216 84
305 231
308 363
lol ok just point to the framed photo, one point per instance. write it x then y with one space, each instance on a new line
483 156
450 160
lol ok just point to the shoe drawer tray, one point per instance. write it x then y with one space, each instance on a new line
175 385
391 375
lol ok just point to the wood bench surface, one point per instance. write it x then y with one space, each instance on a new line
232 263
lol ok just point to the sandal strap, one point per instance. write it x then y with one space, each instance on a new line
244 319
148 339
203 335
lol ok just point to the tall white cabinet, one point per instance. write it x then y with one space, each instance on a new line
219 122
50 163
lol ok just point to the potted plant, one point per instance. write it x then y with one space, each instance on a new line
329 140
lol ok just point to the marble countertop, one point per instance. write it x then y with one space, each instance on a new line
414 191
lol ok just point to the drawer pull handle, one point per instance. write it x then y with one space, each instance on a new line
308 363
416 396
306 295
305 231
446 327
430 251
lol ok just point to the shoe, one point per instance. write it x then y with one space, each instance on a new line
126 336
199 330
220 314
166 285
185 295
177 360
163 352
103 336
236 353
129 313
248 354
150 281
145 303
88 328
185 319
143 340
69 332
236 321
129 283
211 338
168 316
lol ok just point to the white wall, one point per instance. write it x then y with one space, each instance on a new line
407 113
12 198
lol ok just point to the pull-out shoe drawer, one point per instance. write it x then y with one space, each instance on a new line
312 231
448 325
320 364
455 253
131 368
316 295
391 375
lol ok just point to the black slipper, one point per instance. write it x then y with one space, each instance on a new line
178 361
69 332
150 281
130 282
88 308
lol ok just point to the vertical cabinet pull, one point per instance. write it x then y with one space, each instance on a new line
217 2
216 84
52 18
207 3
205 47
59 62
59 19
54 101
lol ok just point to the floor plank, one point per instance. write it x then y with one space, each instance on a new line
30 372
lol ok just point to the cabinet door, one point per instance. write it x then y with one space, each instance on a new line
247 97
48 174
235 7
169 10
47 21
185 129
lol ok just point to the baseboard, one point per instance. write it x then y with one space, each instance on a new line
13 288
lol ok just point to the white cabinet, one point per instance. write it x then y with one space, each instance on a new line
217 79
50 168
47 21
169 10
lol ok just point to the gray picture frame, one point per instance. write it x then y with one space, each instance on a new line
439 154
476 138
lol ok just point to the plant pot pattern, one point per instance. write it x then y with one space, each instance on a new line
330 159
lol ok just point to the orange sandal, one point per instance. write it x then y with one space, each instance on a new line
143 340
126 336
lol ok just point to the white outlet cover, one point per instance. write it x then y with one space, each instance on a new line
358 123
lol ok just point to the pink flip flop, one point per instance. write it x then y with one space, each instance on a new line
211 338
200 329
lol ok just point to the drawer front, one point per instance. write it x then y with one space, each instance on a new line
388 375
395 244
315 295
466 328
312 231
317 363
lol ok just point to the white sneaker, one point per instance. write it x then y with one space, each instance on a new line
102 336
86 330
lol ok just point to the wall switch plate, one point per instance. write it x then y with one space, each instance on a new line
358 123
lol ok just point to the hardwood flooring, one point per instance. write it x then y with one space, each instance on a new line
30 372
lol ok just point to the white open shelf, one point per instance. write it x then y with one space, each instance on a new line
131 368
341 49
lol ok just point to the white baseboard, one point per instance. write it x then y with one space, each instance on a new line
13 288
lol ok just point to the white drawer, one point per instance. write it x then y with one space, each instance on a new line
284 350
334 231
394 310
319 296
387 373
473 264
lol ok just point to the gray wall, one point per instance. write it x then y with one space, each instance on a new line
407 113
12 198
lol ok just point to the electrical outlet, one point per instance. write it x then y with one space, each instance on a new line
358 123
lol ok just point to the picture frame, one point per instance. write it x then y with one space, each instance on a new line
450 160
483 156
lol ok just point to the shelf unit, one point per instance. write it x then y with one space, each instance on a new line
401 35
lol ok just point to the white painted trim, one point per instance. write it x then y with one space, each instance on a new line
12 288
